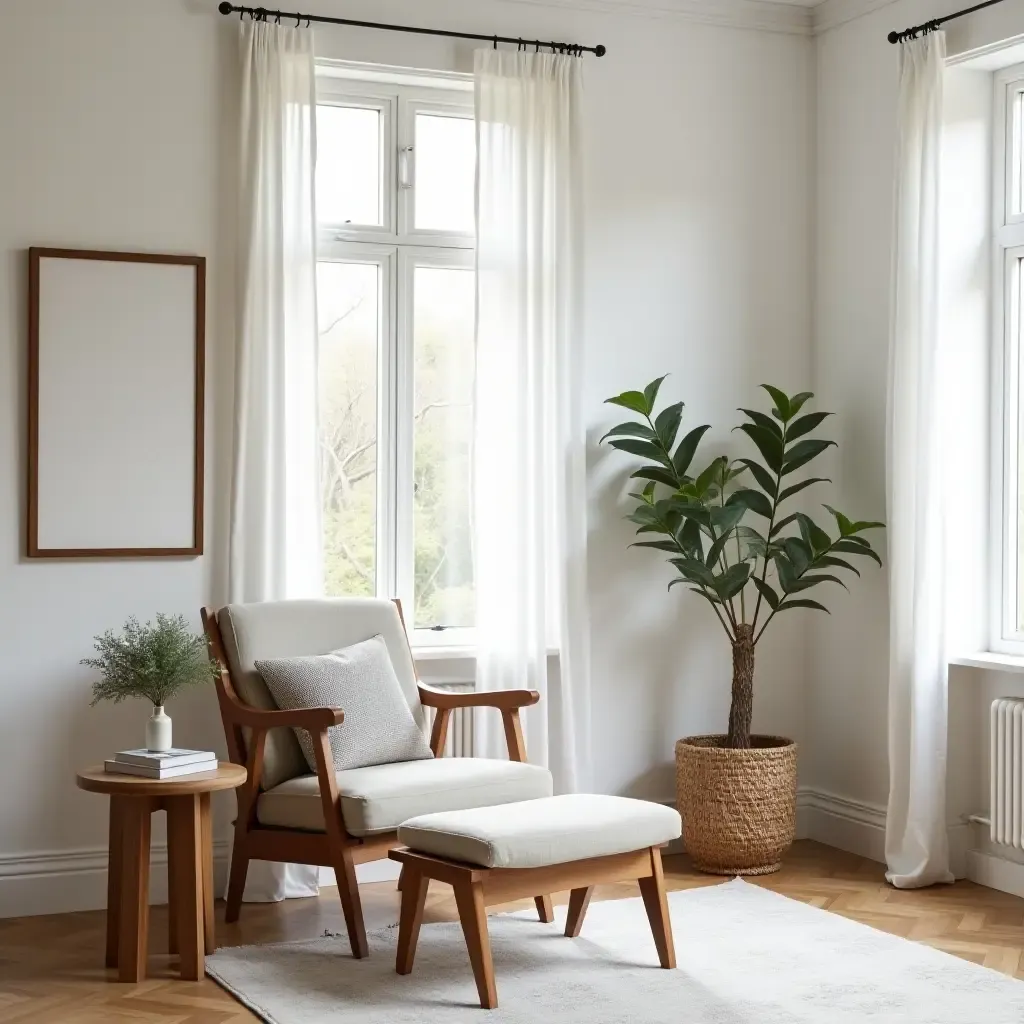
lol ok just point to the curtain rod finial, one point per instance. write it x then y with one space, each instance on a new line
893 37
600 50
224 8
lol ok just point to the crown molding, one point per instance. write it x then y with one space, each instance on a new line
832 13
792 17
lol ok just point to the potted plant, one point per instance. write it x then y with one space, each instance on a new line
154 662
731 539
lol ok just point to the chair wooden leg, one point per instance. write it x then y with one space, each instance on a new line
172 894
184 821
545 909
414 896
236 879
209 921
472 913
115 858
579 900
348 890
133 945
652 889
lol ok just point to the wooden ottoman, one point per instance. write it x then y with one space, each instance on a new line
496 854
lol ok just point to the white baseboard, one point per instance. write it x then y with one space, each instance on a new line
62 881
852 825
995 872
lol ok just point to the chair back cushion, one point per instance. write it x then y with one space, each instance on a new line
378 727
288 629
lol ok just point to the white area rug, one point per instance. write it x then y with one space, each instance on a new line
746 956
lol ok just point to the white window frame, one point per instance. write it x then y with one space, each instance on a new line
1007 264
397 247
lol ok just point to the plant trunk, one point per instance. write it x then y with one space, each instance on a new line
742 708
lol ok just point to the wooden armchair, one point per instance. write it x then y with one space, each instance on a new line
287 814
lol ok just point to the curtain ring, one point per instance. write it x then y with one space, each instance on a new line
495 44
308 22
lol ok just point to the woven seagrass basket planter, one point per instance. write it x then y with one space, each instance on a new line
738 806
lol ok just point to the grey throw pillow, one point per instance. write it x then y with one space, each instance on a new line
378 727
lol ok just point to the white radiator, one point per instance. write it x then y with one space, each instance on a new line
460 725
1006 772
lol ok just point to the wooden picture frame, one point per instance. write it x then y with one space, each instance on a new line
116 323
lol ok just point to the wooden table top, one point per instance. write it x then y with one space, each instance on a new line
96 780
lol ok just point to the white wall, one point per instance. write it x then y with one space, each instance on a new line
847 654
118 131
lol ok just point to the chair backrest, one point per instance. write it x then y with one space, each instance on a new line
288 629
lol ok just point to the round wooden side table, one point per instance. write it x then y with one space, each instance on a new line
189 864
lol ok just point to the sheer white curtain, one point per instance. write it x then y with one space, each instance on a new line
916 844
529 469
274 542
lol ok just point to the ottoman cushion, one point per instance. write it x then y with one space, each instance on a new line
536 833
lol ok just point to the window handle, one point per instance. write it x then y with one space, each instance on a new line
405 167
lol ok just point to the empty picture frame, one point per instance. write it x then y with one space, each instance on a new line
115 404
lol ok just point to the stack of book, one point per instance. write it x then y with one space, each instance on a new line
164 764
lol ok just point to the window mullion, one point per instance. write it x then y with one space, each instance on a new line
387 497
403 447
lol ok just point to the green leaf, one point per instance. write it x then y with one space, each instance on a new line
812 533
709 476
644 515
764 479
630 429
799 553
755 544
806 581
763 420
715 551
805 424
645 449
803 603
690 539
802 452
754 500
782 524
651 393
782 409
836 563
787 574
732 581
661 545
796 403
662 476
694 571
767 592
633 400
688 448
796 488
767 443
725 517
850 546
848 529
667 424
710 598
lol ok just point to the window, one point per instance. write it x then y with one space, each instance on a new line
1008 413
395 174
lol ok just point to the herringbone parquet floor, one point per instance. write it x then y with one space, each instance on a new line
51 967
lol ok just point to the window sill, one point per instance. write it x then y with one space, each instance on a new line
992 661
465 653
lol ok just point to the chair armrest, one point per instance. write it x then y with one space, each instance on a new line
312 719
504 700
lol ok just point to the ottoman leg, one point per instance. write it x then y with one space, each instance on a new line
414 895
579 900
545 909
652 889
472 913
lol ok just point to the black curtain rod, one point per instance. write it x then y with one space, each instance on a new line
262 14
931 26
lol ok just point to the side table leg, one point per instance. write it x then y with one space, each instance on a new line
184 823
133 945
115 858
209 921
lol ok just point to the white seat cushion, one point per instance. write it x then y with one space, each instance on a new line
380 797
556 830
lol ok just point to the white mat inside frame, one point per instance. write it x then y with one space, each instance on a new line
746 956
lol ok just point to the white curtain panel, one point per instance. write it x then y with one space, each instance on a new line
916 843
274 541
529 459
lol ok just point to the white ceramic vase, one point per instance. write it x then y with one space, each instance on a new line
158 730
